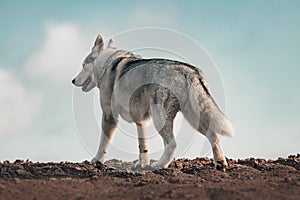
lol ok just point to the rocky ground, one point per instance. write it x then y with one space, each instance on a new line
184 179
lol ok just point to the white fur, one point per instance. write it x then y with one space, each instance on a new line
104 143
143 146
167 156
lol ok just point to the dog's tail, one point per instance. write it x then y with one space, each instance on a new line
203 113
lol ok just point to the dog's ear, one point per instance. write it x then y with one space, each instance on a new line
98 45
99 41
111 44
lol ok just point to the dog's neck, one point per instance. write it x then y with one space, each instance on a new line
109 61
101 64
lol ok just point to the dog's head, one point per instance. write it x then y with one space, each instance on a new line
87 78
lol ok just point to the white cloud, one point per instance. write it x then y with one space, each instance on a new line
166 14
60 55
18 108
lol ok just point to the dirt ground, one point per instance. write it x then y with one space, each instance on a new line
184 179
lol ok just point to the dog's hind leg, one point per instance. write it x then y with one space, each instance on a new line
169 144
220 161
165 124
143 146
108 126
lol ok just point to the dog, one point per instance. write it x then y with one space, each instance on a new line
138 89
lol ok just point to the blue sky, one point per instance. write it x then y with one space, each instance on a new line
254 44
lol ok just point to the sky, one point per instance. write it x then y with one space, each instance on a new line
249 52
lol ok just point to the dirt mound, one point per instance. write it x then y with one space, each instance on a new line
191 179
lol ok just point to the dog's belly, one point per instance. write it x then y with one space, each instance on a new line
137 114
136 110
132 105
125 115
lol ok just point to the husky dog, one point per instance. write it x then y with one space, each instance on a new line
137 89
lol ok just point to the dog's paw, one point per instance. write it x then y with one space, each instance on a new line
155 165
141 165
138 165
94 160
221 165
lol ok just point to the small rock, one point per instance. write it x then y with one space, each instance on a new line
3 170
224 175
142 173
6 162
140 183
287 179
78 168
67 178
59 172
95 177
99 165
17 180
19 166
128 179
169 194
5 174
19 161
273 184
52 179
179 165
2 187
188 196
199 185
80 196
21 172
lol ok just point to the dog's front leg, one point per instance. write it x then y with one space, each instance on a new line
108 126
143 147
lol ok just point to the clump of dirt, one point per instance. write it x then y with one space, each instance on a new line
192 179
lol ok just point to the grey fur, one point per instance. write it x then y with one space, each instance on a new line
133 88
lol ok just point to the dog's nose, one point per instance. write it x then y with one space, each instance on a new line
73 81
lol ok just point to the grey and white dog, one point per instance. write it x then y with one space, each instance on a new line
137 89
